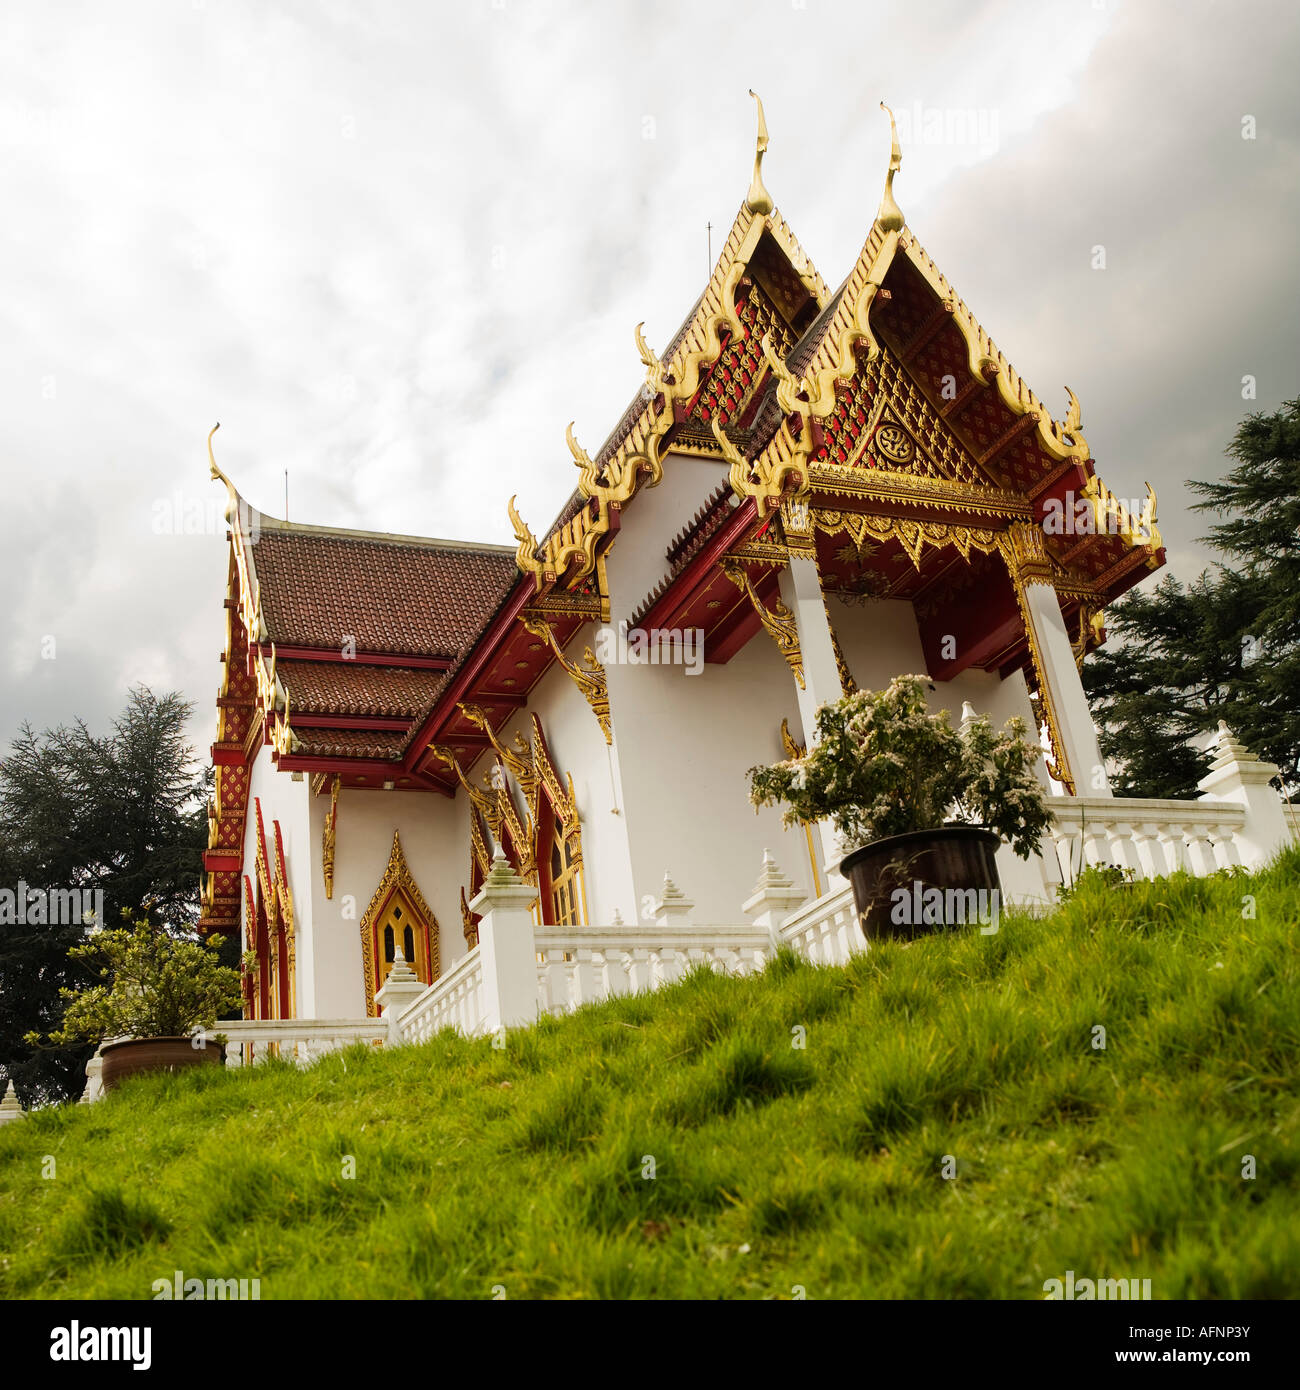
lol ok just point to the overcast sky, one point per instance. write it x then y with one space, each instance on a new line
394 248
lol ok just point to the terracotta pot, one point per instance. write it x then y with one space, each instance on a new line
137 1055
894 881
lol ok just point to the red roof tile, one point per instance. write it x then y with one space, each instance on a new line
395 595
349 743
351 687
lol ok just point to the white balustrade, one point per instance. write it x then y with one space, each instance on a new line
579 965
1151 838
825 931
455 1000
302 1040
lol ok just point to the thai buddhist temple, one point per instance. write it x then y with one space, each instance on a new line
813 489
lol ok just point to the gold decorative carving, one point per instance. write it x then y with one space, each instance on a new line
912 535
590 678
397 877
637 459
328 838
778 622
914 489
778 470
518 759
467 922
1026 553
1111 516
481 800
889 218
758 200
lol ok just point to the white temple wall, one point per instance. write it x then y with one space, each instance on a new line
683 742
578 748
435 841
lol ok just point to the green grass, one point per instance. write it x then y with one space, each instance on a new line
679 1145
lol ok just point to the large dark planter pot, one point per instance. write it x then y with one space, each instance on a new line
125 1059
894 881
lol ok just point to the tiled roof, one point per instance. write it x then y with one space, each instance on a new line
396 595
349 743
351 687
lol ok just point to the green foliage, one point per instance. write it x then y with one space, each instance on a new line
157 985
122 814
1095 878
561 1167
883 765
1224 646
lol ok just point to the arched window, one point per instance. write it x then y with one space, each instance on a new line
398 917
563 892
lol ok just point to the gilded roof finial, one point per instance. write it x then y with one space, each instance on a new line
759 201
890 216
232 509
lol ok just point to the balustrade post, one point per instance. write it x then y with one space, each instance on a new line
506 947
1238 775
401 989
773 899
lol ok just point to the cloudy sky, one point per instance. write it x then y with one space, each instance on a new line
395 247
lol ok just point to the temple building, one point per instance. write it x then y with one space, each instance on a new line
812 490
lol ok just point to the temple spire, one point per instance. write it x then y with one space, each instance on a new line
890 216
759 201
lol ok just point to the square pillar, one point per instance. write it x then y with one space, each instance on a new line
1059 674
801 592
1238 775
507 947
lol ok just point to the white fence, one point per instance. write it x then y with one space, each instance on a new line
455 1000
302 1040
578 965
521 971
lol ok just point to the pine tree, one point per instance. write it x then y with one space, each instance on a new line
123 814
1224 647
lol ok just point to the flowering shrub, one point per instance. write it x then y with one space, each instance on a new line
156 986
883 765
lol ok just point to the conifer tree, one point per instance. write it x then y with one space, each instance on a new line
1227 645
123 814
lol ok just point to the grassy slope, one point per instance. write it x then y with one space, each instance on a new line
776 1167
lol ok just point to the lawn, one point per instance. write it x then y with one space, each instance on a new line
934 1120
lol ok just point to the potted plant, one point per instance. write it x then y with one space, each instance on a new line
920 807
157 990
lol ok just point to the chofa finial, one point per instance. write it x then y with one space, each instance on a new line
890 216
759 200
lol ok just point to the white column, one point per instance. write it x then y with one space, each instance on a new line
1238 775
507 947
1065 689
801 592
